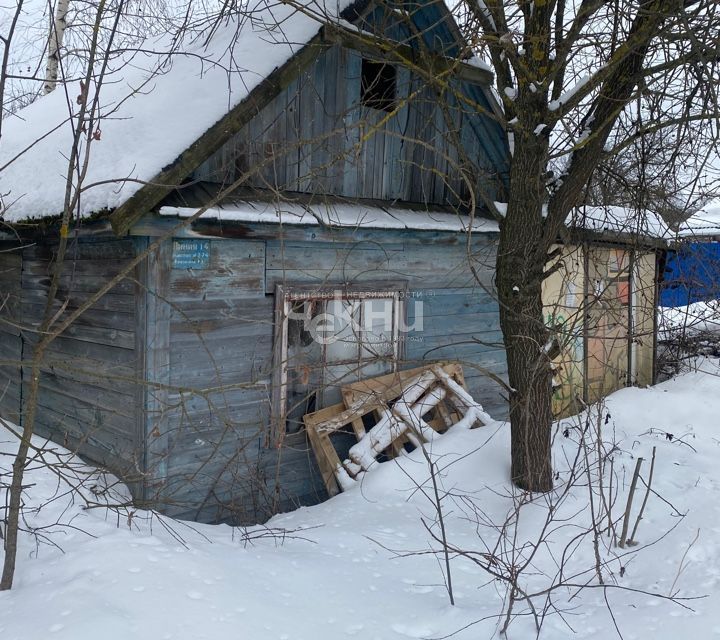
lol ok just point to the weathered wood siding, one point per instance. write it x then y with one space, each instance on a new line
316 137
10 338
89 399
210 346
602 296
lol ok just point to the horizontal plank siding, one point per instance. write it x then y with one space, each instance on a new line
214 426
237 268
89 375
11 347
214 408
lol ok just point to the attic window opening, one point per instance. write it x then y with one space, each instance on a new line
377 85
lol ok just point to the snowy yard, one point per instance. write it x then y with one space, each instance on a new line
345 572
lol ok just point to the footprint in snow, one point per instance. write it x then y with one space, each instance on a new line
419 588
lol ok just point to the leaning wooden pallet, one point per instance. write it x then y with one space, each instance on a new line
388 388
412 406
322 424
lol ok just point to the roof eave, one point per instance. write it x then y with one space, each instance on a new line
218 134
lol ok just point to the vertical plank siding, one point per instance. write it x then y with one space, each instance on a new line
317 137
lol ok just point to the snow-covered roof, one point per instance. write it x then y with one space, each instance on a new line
154 103
619 220
705 223
337 215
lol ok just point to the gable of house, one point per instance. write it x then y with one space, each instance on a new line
363 117
324 135
162 115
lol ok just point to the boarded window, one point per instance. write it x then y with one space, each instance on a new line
377 86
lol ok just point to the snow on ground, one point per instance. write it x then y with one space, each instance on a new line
689 320
152 578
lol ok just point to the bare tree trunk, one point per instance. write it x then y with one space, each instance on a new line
7 41
45 335
18 469
57 33
520 263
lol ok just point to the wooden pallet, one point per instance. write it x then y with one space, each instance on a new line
321 425
386 389
403 406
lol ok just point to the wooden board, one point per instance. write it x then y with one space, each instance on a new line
386 389
320 425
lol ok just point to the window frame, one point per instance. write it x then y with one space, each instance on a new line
285 295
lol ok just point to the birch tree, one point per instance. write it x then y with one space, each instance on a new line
55 42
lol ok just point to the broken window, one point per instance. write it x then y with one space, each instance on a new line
377 85
327 339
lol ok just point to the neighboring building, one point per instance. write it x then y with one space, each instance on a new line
691 270
602 301
352 206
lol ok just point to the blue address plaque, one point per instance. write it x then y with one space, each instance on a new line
191 254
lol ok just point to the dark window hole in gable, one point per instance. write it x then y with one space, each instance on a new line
377 85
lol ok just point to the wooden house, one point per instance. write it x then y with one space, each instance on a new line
306 218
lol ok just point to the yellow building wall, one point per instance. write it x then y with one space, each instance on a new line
643 319
562 306
608 320
619 285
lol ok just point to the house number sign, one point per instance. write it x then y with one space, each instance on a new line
191 254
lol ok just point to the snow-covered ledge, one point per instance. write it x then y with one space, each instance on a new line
338 215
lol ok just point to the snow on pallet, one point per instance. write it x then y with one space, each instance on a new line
386 413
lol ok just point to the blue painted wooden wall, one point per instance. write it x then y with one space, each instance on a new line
210 346
316 137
